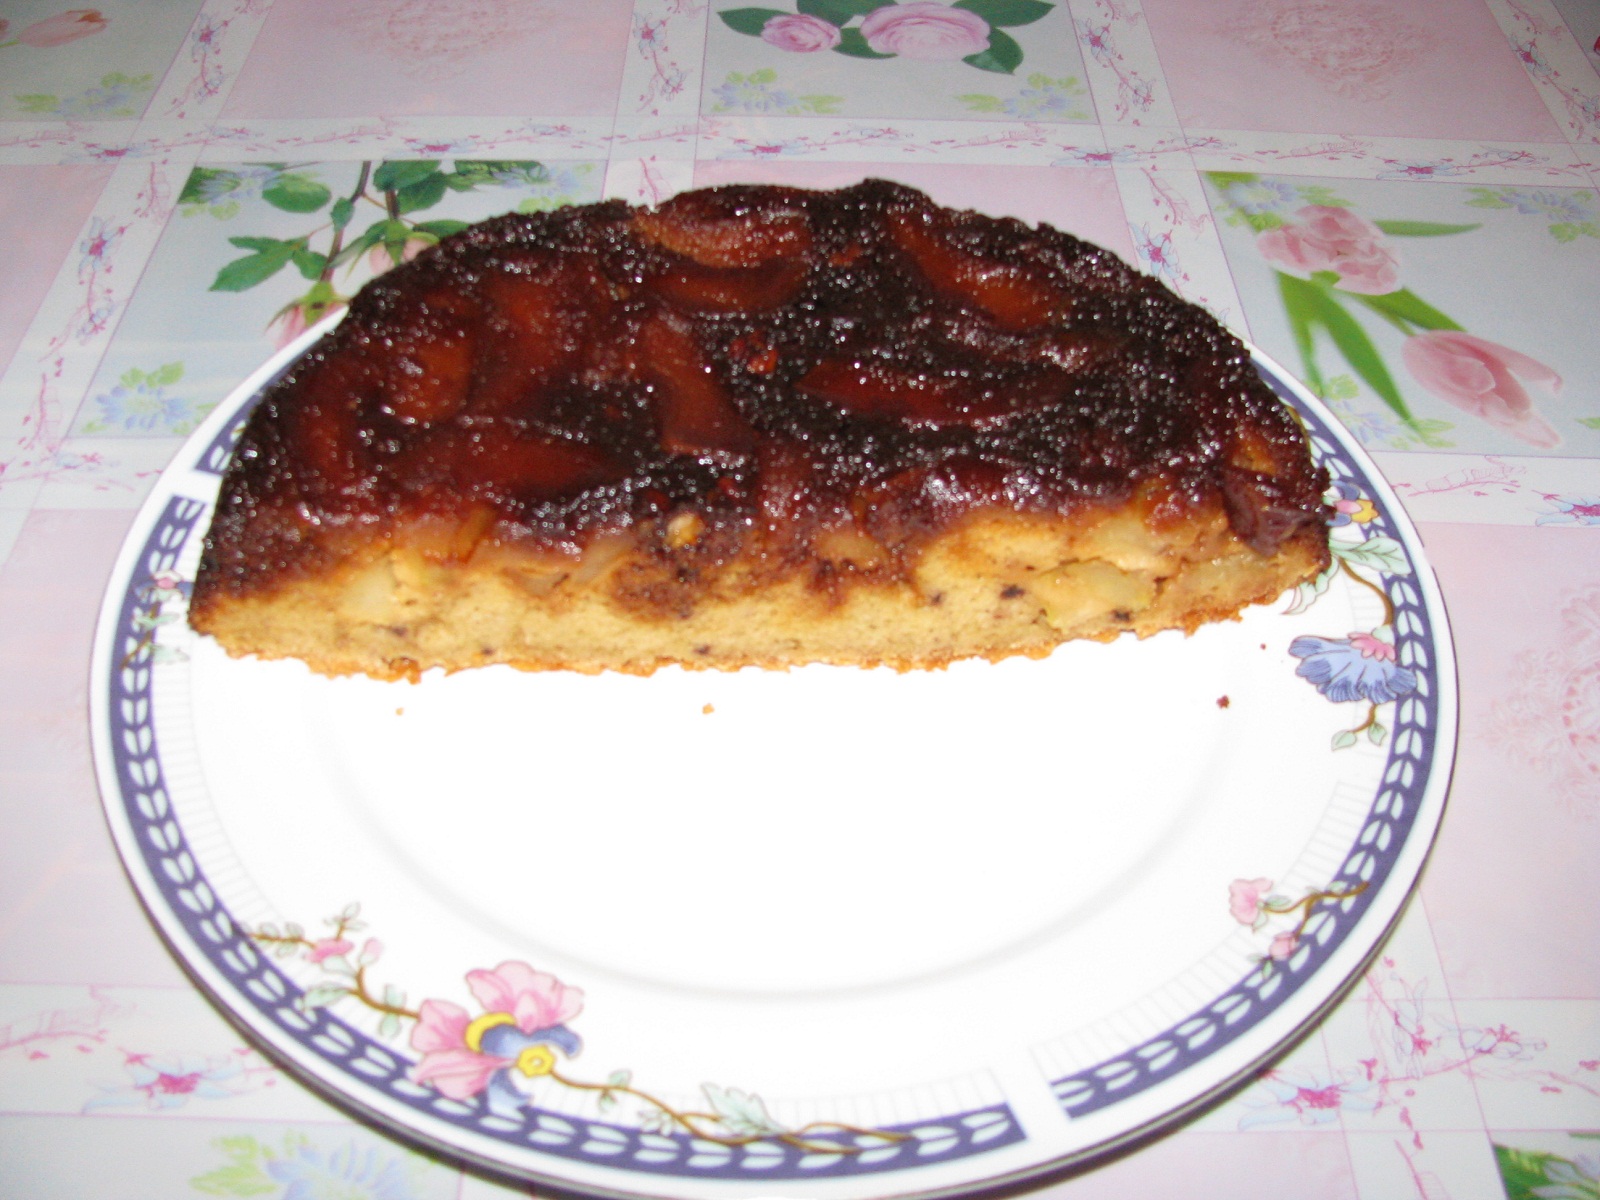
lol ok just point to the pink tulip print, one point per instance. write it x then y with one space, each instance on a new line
1485 380
58 30
1326 238
1338 270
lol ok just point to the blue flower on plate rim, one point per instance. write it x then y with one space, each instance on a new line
1357 667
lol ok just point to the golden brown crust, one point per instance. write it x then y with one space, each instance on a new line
755 426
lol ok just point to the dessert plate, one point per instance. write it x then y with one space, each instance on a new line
830 932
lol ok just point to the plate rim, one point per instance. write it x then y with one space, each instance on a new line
1306 1006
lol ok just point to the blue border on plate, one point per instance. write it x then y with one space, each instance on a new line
1404 782
279 1001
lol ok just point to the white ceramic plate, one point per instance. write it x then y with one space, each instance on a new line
831 932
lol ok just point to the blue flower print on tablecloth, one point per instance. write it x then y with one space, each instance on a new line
1360 666
1041 99
297 1166
117 95
761 92
310 1173
141 405
1570 215
861 57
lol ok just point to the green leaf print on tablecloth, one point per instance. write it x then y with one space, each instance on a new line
1542 1175
377 220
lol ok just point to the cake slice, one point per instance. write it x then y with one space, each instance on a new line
754 426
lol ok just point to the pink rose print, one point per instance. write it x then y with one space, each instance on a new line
290 323
1328 238
524 1014
64 27
1245 897
800 33
380 258
1480 378
926 31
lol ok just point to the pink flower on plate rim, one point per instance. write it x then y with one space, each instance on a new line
1372 647
1245 897
62 28
325 948
1283 946
1329 238
925 31
455 1057
534 999
1481 377
450 1062
800 33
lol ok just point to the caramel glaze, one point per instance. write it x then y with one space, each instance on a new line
775 362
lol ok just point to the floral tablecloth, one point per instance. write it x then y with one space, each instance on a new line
1400 203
